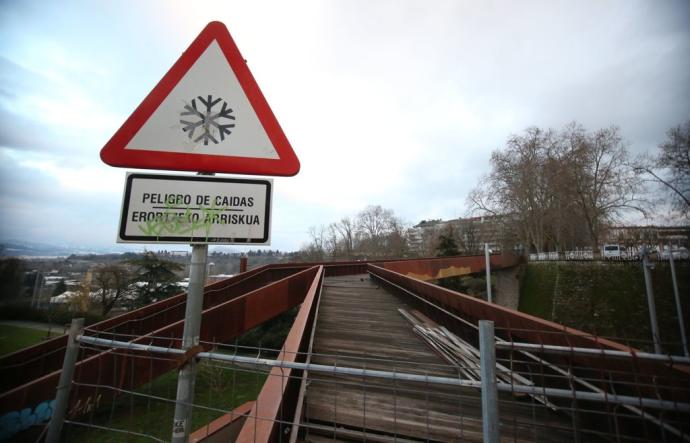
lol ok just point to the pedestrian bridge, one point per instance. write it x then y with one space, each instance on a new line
376 352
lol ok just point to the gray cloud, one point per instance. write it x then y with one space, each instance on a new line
16 80
387 102
35 207
21 133
16 130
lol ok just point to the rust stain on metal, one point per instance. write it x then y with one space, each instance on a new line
443 267
442 273
225 427
270 407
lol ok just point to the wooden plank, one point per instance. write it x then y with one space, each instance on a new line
360 326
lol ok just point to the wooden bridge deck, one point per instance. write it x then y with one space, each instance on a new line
359 325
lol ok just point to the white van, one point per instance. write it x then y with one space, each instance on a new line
613 252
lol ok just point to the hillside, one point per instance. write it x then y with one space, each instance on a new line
607 298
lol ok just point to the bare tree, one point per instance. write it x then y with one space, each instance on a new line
396 240
346 228
331 241
516 185
671 166
547 185
603 183
429 240
374 223
467 236
375 232
315 251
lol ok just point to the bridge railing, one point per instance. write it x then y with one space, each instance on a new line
102 383
28 364
630 254
536 394
565 255
222 321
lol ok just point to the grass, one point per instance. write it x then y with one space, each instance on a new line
537 290
608 299
216 387
14 338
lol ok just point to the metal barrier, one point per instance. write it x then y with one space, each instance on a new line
530 409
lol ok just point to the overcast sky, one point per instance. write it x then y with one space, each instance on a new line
397 103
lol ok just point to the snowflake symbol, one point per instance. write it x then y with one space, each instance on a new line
208 120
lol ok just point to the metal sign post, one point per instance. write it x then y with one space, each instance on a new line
190 338
186 377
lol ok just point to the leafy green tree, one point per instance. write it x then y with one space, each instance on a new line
11 279
447 246
60 287
113 283
155 279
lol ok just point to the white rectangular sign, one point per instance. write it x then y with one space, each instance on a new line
195 209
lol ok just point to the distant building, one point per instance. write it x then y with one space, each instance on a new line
651 235
470 234
215 278
179 253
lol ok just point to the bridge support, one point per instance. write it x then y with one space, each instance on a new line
487 354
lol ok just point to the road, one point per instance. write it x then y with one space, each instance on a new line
34 325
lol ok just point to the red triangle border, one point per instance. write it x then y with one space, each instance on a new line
115 154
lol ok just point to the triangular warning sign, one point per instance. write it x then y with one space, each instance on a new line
207 114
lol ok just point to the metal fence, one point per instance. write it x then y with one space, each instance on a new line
497 388
564 255
631 254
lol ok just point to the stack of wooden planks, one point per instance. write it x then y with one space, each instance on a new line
462 354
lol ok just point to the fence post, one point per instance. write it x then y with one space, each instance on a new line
679 308
487 258
487 353
65 383
650 300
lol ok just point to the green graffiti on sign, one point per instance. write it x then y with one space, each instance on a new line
173 222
